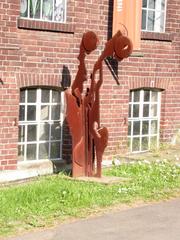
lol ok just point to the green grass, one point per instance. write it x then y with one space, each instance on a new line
54 198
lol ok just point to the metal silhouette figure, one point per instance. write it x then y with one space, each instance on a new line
89 139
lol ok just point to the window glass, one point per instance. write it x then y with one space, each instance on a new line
47 10
146 96
143 125
31 113
136 144
22 113
43 151
45 96
136 128
154 96
22 97
144 13
31 133
31 151
153 15
32 96
144 143
136 96
44 112
136 110
40 135
146 110
152 4
55 113
20 152
144 3
44 131
151 20
55 150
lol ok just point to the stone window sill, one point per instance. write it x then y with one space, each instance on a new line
166 37
45 26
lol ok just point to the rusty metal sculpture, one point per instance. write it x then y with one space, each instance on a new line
89 139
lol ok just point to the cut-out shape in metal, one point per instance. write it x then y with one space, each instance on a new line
89 139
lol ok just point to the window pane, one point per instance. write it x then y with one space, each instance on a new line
130 97
162 4
59 13
154 127
43 150
55 131
22 113
44 112
146 96
152 4
144 143
145 127
144 12
24 8
144 3
35 8
31 113
136 128
136 144
136 110
31 133
154 110
55 150
21 133
162 22
136 96
55 97
47 9
146 110
55 112
153 142
151 20
44 132
129 128
154 97
45 95
21 152
31 96
31 151
22 96
130 110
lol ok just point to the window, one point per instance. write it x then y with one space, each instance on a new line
46 10
144 119
40 125
153 15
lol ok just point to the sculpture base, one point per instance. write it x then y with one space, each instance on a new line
107 180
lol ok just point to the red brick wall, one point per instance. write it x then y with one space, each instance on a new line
31 57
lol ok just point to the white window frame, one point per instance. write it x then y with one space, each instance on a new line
39 122
157 11
140 119
45 20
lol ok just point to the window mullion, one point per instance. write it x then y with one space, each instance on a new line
50 123
158 117
41 9
25 139
38 119
62 106
53 10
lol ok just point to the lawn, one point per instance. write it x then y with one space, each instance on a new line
51 199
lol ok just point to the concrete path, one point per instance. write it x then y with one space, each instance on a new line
153 222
